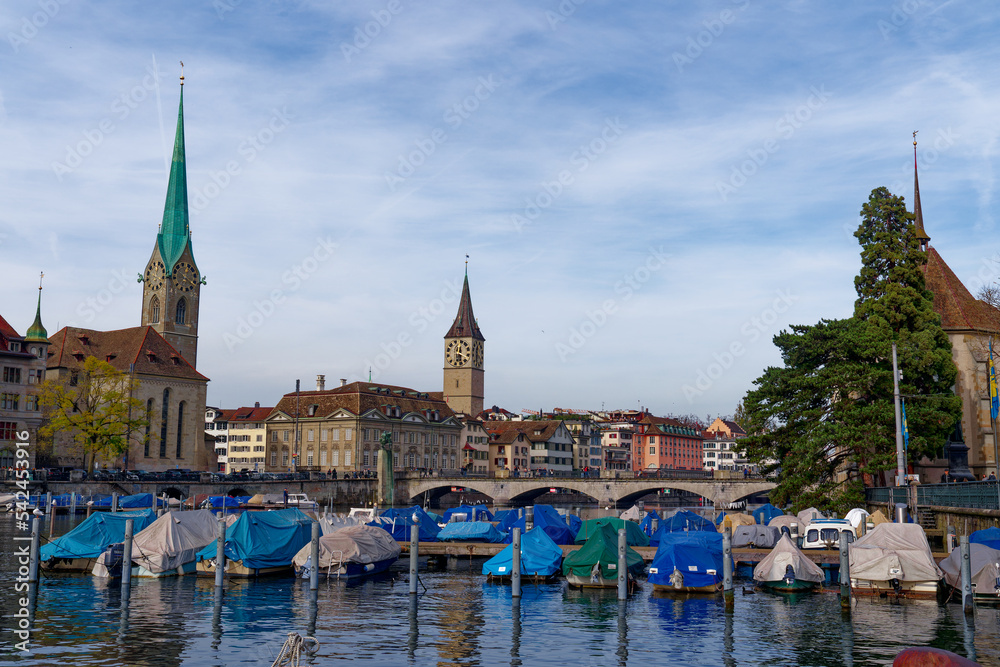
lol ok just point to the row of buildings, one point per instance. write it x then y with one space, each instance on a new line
342 427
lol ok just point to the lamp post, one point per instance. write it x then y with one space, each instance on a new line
900 456
295 452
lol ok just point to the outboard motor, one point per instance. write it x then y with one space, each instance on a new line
789 577
677 578
896 586
113 557
785 531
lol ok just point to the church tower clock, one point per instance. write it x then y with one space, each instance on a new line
172 282
463 359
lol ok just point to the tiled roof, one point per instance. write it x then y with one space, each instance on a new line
465 321
244 414
959 310
360 397
734 427
505 432
6 330
142 346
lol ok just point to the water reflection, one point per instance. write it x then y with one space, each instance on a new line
413 637
515 632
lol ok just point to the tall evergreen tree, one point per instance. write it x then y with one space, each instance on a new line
825 421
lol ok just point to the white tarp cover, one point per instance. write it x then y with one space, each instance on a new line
805 517
894 551
353 544
174 539
856 516
632 514
333 523
786 520
985 564
784 553
761 537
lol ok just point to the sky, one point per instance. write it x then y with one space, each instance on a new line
647 192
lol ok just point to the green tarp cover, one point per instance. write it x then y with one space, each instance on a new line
602 547
633 533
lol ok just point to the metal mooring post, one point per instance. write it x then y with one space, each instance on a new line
414 555
845 573
966 574
622 566
515 575
727 568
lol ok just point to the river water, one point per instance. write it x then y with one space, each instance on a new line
459 619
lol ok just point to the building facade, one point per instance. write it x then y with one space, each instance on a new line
721 450
661 443
528 445
22 359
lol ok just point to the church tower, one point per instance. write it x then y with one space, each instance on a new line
172 282
463 359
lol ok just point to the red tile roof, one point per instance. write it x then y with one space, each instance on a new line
141 346
6 330
360 397
959 310
506 432
244 414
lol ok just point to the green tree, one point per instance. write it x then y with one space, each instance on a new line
825 421
96 409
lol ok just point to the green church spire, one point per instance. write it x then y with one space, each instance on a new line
175 232
37 332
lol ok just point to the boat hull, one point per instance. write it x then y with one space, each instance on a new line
665 589
68 564
910 590
187 568
591 582
352 571
796 586
234 568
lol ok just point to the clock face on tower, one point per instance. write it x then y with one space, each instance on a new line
477 353
458 353
185 277
155 274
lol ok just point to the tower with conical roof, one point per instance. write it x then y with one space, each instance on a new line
172 282
463 358
36 332
922 236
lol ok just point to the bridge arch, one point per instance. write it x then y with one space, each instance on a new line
237 491
527 497
172 492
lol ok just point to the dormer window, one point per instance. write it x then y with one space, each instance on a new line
110 357
84 339
312 410
78 356
175 359
150 355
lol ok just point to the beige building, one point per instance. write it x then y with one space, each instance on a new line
240 437
530 445
23 368
340 429
721 451
475 446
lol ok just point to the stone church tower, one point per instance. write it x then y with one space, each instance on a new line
463 359
172 282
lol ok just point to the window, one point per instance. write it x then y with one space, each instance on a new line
181 311
7 430
9 401
347 434
284 458
366 457
274 458
347 458
163 423
322 458
180 427
154 310
309 459
274 436
35 376
12 375
336 458
336 434
310 435
285 434
31 402
323 434
260 438
149 421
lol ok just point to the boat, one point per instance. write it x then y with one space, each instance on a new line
350 553
787 570
595 564
755 537
985 570
545 517
894 560
633 534
988 536
825 533
78 550
687 562
541 558
365 514
398 522
165 548
732 520
467 513
765 513
470 531
260 543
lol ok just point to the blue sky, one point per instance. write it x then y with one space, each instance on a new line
648 192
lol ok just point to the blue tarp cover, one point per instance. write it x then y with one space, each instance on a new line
95 534
218 502
265 538
548 519
471 512
66 500
397 522
765 513
647 522
539 556
505 519
128 502
988 536
693 554
470 531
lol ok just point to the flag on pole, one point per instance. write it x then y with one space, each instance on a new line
992 372
906 432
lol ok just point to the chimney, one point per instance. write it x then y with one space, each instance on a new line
320 383
343 382
256 404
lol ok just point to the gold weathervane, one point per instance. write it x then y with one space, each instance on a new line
182 72
40 276
915 138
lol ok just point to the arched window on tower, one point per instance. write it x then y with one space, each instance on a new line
163 423
181 311
180 427
154 310
149 420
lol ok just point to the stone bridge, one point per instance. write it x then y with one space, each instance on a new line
611 492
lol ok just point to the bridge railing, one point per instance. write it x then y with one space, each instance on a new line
562 474
969 495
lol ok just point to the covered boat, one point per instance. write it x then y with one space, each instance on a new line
470 531
988 536
765 513
398 521
350 553
733 520
807 516
825 533
226 502
787 570
548 519
540 558
755 537
985 567
785 521
506 518
168 546
260 543
595 564
856 516
894 559
135 501
633 534
78 550
631 514
471 513
650 523
689 562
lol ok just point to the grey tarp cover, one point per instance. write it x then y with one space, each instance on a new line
784 553
333 523
894 551
805 517
174 539
763 537
786 520
353 544
985 568
632 514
